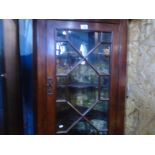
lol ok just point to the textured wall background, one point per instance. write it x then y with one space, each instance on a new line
140 104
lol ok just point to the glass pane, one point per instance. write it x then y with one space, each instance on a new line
84 74
61 34
98 116
61 81
61 94
82 99
83 128
104 84
106 36
80 83
61 87
100 58
83 86
84 41
66 116
66 56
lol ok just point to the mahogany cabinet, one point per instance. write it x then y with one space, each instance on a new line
79 76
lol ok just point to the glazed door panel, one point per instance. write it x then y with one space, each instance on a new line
77 72
82 65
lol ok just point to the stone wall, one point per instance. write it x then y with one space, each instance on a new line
140 103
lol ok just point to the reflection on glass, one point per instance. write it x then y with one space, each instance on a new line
67 57
100 58
61 94
83 49
85 40
66 116
84 37
83 128
83 98
106 36
104 84
84 74
78 80
98 116
61 83
61 34
61 80
83 82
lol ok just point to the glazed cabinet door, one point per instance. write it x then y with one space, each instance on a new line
79 76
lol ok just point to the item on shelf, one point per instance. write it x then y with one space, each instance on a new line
83 97
106 52
99 124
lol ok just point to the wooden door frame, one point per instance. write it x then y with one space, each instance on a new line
42 112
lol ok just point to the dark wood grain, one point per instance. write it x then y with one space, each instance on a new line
122 77
51 73
114 81
110 21
40 83
13 106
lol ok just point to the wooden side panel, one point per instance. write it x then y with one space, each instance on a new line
51 75
114 80
13 110
40 82
122 77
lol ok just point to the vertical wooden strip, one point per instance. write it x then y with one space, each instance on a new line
122 77
51 73
40 83
113 82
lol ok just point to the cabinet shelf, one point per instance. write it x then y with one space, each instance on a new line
78 85
94 116
65 75
71 54
65 40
